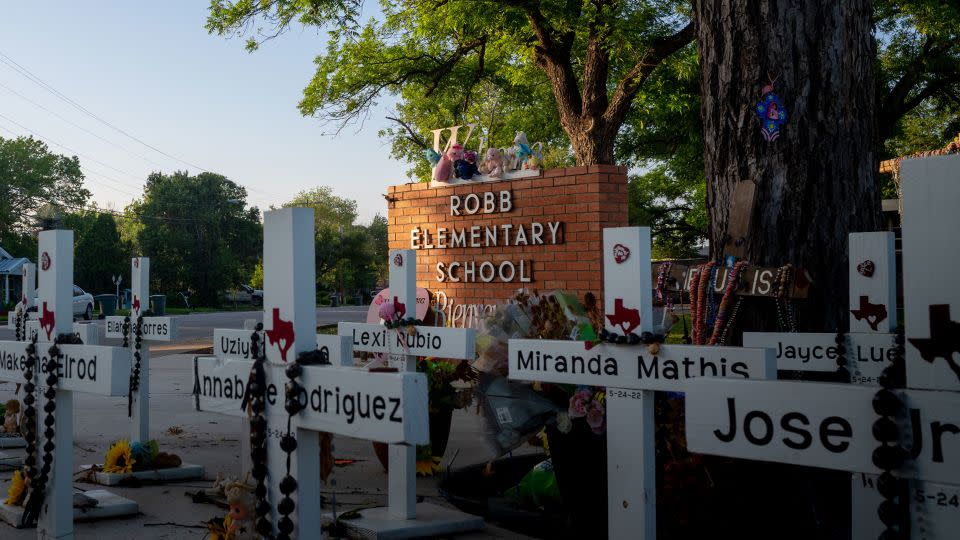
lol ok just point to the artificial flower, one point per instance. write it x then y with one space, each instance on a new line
18 490
428 467
119 458
219 529
564 422
579 402
596 418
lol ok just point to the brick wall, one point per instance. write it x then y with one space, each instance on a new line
584 199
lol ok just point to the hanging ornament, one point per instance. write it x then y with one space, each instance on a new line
771 112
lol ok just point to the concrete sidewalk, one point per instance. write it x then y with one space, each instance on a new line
213 441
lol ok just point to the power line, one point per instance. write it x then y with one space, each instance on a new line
81 128
65 147
12 64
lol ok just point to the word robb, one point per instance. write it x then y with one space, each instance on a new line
485 236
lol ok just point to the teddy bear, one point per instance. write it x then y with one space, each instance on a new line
467 167
492 165
10 417
444 169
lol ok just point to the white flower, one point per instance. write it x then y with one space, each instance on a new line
564 423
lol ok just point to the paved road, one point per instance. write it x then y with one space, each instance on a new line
196 330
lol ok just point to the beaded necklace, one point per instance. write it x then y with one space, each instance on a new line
135 374
712 299
694 307
19 325
255 396
889 456
730 290
38 482
29 426
700 322
843 369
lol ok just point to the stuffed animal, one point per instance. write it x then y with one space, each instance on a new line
242 503
10 417
532 162
492 165
444 169
432 156
467 167
519 152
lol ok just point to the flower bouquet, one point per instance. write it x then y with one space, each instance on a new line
125 457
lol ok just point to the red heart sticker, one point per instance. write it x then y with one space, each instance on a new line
620 253
866 268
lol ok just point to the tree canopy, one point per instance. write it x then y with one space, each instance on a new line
31 177
199 233
545 67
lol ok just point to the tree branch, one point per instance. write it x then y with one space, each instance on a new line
655 54
411 134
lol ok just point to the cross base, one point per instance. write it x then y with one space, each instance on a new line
12 441
432 520
185 471
10 460
109 505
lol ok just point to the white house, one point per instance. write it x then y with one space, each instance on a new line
10 275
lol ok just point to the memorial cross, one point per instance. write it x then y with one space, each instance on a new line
17 319
631 372
138 327
57 370
338 398
403 339
837 426
861 355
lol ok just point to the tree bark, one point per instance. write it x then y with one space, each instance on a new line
817 182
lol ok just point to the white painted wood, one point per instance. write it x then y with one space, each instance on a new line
93 369
402 476
397 412
139 286
880 288
108 505
154 328
83 368
933 422
931 189
631 449
56 298
708 420
867 354
185 471
86 332
633 367
435 341
289 274
231 344
338 349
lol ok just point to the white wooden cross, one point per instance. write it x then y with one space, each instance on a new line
631 375
403 346
151 329
831 425
869 347
82 368
340 399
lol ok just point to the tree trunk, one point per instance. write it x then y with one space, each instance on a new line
817 182
592 147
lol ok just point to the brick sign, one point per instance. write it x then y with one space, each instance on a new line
478 243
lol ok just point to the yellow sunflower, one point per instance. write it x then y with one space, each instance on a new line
119 458
17 491
428 467
219 528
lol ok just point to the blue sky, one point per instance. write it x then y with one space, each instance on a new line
152 70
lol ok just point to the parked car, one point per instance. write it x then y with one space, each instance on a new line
244 295
82 303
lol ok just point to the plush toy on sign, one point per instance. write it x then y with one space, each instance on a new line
519 152
771 112
432 156
444 169
467 167
492 165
